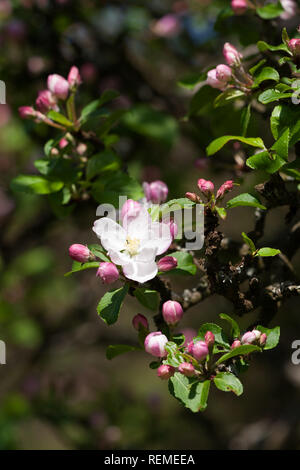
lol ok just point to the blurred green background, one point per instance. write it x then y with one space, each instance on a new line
57 390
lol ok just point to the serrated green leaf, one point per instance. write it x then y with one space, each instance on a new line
248 241
270 95
109 306
76 267
222 212
281 146
265 162
235 329
239 351
60 118
185 263
273 335
220 337
245 119
267 73
244 199
34 184
228 382
193 395
266 251
218 143
102 162
147 297
264 46
227 97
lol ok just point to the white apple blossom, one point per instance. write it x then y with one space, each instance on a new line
135 245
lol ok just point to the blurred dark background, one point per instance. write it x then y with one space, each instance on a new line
57 390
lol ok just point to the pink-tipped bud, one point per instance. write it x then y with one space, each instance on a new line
225 188
172 312
232 56
74 78
79 253
199 350
257 334
58 85
209 338
236 343
248 338
213 81
108 272
167 263
206 187
45 101
239 6
165 371
63 143
130 208
263 339
27 112
140 321
223 73
189 347
186 369
155 344
156 192
294 46
192 197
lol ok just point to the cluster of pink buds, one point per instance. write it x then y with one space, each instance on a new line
58 88
219 77
207 189
239 7
250 337
172 312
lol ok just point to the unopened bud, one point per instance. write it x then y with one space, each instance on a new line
167 263
199 350
45 101
224 188
172 312
294 46
165 371
79 253
186 369
213 81
248 338
239 6
130 208
206 187
140 321
74 78
223 73
155 344
192 197
236 343
232 56
58 85
156 192
209 338
108 272
27 112
263 339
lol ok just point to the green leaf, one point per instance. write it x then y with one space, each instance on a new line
273 335
117 349
35 184
257 66
218 143
235 329
228 382
109 306
102 162
249 242
185 263
263 46
267 73
227 97
244 199
202 101
220 336
60 118
265 162
151 123
266 251
191 81
76 267
281 146
222 212
107 95
148 298
245 119
239 351
192 395
270 95
98 251
154 365
109 187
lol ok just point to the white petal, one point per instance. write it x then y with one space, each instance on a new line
139 227
139 271
160 237
119 258
111 234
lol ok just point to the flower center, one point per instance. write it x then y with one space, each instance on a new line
132 246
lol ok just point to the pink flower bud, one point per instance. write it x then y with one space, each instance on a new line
213 81
192 197
294 46
156 192
155 344
63 143
79 253
236 343
165 371
248 338
257 334
209 338
140 321
263 339
74 78
239 6
108 272
223 73
189 347
199 350
206 187
290 9
172 312
167 263
167 26
186 369
130 209
27 112
232 56
45 101
58 85
225 188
